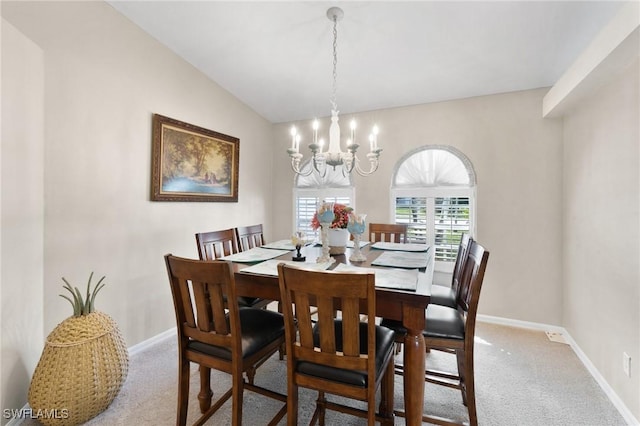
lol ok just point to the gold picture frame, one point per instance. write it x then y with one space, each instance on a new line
190 163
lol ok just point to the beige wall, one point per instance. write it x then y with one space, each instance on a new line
103 79
601 234
517 156
22 213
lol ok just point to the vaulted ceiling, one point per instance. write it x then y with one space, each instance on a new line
277 56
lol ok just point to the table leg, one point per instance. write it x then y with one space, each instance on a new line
414 364
205 394
387 391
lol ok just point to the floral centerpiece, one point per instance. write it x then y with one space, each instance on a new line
340 220
335 236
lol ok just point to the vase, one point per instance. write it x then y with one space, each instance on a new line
338 239
82 368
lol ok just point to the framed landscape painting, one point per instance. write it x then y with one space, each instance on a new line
190 163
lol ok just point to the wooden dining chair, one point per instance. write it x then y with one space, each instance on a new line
216 244
249 237
344 356
388 232
453 330
447 295
214 332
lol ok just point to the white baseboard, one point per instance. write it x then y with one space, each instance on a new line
607 389
521 324
151 341
17 421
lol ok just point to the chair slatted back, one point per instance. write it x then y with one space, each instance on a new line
461 258
472 278
388 232
249 237
216 244
352 293
199 289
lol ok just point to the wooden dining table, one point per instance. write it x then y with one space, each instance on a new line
404 305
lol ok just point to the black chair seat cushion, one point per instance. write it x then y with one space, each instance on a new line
443 296
441 322
259 328
384 345
248 302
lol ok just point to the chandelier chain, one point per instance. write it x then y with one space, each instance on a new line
334 102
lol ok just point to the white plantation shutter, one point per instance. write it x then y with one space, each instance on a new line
433 193
437 221
307 204
305 209
413 212
311 190
450 221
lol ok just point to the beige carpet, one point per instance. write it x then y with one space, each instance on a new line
522 378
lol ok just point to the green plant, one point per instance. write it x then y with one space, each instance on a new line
82 306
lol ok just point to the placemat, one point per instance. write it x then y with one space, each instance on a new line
399 279
381 245
279 245
402 259
270 267
256 254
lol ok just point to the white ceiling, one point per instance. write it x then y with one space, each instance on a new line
277 56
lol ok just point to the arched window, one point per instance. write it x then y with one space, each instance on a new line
310 190
433 191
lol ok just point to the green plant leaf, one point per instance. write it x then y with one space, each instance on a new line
96 289
87 307
82 305
70 301
68 287
80 301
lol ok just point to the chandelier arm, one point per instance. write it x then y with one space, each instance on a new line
366 173
349 165
374 162
322 173
296 168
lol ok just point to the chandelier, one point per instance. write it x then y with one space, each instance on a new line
334 156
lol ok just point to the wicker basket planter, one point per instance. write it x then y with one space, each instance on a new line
82 368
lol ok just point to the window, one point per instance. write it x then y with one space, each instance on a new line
310 190
433 192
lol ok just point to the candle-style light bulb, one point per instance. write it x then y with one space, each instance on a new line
375 136
321 144
315 127
297 143
353 131
371 142
293 137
